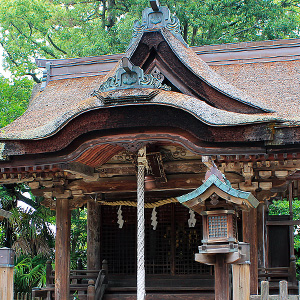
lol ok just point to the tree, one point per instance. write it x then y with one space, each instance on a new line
14 98
28 233
75 28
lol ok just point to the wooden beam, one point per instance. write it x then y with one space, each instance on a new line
62 250
79 169
286 222
128 184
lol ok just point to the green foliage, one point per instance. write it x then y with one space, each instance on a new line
78 236
68 28
14 97
281 207
28 232
29 272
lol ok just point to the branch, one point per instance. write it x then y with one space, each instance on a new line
34 77
34 42
54 45
246 29
9 55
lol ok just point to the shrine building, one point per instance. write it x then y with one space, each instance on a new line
177 153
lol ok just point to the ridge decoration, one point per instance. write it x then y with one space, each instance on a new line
155 18
129 76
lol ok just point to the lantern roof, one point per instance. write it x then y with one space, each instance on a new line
216 183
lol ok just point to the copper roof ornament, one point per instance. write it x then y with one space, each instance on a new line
156 18
129 76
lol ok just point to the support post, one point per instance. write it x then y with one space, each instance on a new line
292 271
221 278
62 250
49 270
93 235
265 290
250 236
283 290
91 290
261 233
241 281
142 162
7 283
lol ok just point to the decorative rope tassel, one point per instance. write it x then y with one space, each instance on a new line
142 164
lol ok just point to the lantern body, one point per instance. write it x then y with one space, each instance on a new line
219 226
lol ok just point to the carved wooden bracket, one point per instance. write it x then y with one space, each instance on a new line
248 173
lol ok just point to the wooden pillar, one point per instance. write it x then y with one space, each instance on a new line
241 282
261 235
221 278
292 271
62 250
7 283
250 236
93 235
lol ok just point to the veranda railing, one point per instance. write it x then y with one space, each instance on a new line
283 292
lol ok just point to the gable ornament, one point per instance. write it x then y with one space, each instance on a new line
155 18
129 76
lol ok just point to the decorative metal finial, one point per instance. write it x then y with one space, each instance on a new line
155 18
155 5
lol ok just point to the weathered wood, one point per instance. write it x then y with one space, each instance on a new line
261 230
49 272
91 290
79 169
62 250
93 235
292 271
283 290
250 236
280 223
265 290
128 184
6 283
221 278
241 281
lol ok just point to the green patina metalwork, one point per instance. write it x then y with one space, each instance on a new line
223 186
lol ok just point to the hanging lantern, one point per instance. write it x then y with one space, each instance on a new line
150 182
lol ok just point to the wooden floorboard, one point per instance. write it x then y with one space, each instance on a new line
193 296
